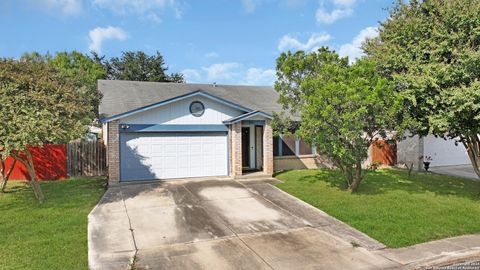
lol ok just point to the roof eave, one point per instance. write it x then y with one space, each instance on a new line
247 116
171 100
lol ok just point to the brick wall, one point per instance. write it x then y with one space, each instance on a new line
113 153
301 162
267 148
236 149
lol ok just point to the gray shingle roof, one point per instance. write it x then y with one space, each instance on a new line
124 96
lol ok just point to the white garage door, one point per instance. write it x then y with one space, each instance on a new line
146 156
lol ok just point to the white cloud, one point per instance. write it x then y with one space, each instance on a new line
152 17
222 71
354 49
288 42
100 34
230 73
191 75
259 76
249 5
66 7
145 9
211 55
345 3
326 17
342 9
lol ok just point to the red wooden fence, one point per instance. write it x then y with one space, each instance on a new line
50 162
384 152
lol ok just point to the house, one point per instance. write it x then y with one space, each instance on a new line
438 151
174 131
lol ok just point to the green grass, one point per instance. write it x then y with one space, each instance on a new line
52 235
391 208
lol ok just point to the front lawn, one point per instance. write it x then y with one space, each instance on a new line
52 235
391 208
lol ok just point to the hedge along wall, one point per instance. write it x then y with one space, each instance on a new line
50 162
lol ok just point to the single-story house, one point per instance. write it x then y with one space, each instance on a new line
170 130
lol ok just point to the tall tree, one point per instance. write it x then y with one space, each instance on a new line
343 109
138 66
431 49
38 106
82 70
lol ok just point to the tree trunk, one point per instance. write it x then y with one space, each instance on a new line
357 177
3 182
473 150
348 172
31 171
4 177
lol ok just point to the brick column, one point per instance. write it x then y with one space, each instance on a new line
267 148
236 149
113 153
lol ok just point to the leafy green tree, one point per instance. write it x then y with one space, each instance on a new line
343 109
82 70
138 66
38 106
431 49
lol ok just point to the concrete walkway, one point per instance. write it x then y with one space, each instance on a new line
465 171
436 253
223 224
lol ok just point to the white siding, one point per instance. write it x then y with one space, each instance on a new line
105 133
178 113
444 152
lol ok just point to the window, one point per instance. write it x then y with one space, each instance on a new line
275 146
291 146
305 148
288 146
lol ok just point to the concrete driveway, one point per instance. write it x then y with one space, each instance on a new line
221 224
465 171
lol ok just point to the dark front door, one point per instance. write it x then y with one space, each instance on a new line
245 146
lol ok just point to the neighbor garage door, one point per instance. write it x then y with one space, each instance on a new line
146 156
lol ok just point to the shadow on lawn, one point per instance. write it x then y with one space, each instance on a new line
382 181
65 194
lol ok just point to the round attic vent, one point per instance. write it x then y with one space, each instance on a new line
197 108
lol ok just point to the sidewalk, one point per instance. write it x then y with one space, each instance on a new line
436 253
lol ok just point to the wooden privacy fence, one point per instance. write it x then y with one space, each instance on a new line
384 152
86 158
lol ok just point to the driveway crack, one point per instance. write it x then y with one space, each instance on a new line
134 259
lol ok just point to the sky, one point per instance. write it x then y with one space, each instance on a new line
222 41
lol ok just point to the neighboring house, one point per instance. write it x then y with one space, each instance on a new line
414 150
169 130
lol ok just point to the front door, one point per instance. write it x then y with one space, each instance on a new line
245 147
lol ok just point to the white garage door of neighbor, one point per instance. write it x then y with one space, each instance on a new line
147 156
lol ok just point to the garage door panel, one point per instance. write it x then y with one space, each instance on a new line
166 155
183 148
